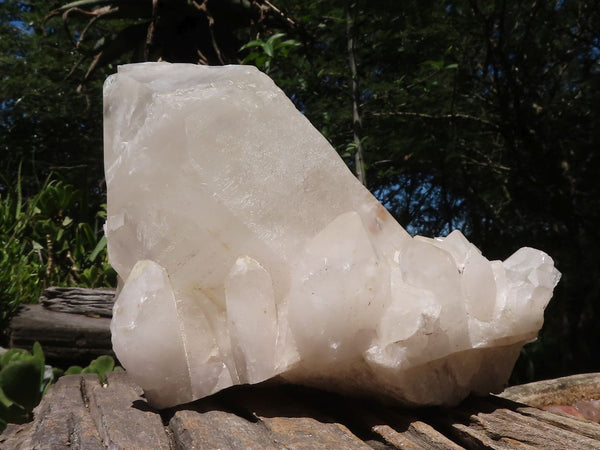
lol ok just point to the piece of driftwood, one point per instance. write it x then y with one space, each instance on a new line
76 300
72 324
559 391
81 412
67 339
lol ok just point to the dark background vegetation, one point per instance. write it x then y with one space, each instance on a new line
476 115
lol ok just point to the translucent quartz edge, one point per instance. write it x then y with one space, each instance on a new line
140 310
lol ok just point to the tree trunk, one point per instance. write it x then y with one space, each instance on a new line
359 161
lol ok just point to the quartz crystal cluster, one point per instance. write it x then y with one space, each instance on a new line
247 250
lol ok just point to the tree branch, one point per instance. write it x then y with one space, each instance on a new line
436 116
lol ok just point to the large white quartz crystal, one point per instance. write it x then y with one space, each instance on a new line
248 250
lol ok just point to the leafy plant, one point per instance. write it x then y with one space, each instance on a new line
43 244
264 51
24 379
100 365
22 384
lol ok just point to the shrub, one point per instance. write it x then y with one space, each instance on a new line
43 243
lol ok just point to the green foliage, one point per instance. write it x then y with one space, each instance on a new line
100 365
22 384
24 380
46 124
265 51
44 245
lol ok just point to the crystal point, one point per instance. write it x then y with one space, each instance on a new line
247 250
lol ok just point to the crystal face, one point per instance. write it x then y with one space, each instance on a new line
247 250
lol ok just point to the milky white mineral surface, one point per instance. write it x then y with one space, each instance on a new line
248 251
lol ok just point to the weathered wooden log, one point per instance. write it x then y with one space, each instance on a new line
67 339
81 412
72 324
76 300
559 391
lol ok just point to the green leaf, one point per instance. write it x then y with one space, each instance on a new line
289 43
10 411
73 370
14 355
4 400
21 382
276 37
39 359
268 48
101 365
19 193
252 44
37 351
101 245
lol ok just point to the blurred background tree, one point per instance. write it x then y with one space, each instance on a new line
476 115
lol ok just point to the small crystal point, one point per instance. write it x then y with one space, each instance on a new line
252 320
248 251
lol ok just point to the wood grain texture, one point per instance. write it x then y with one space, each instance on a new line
67 422
82 413
71 323
559 391
77 300
67 339
498 423
16 437
122 416
218 429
